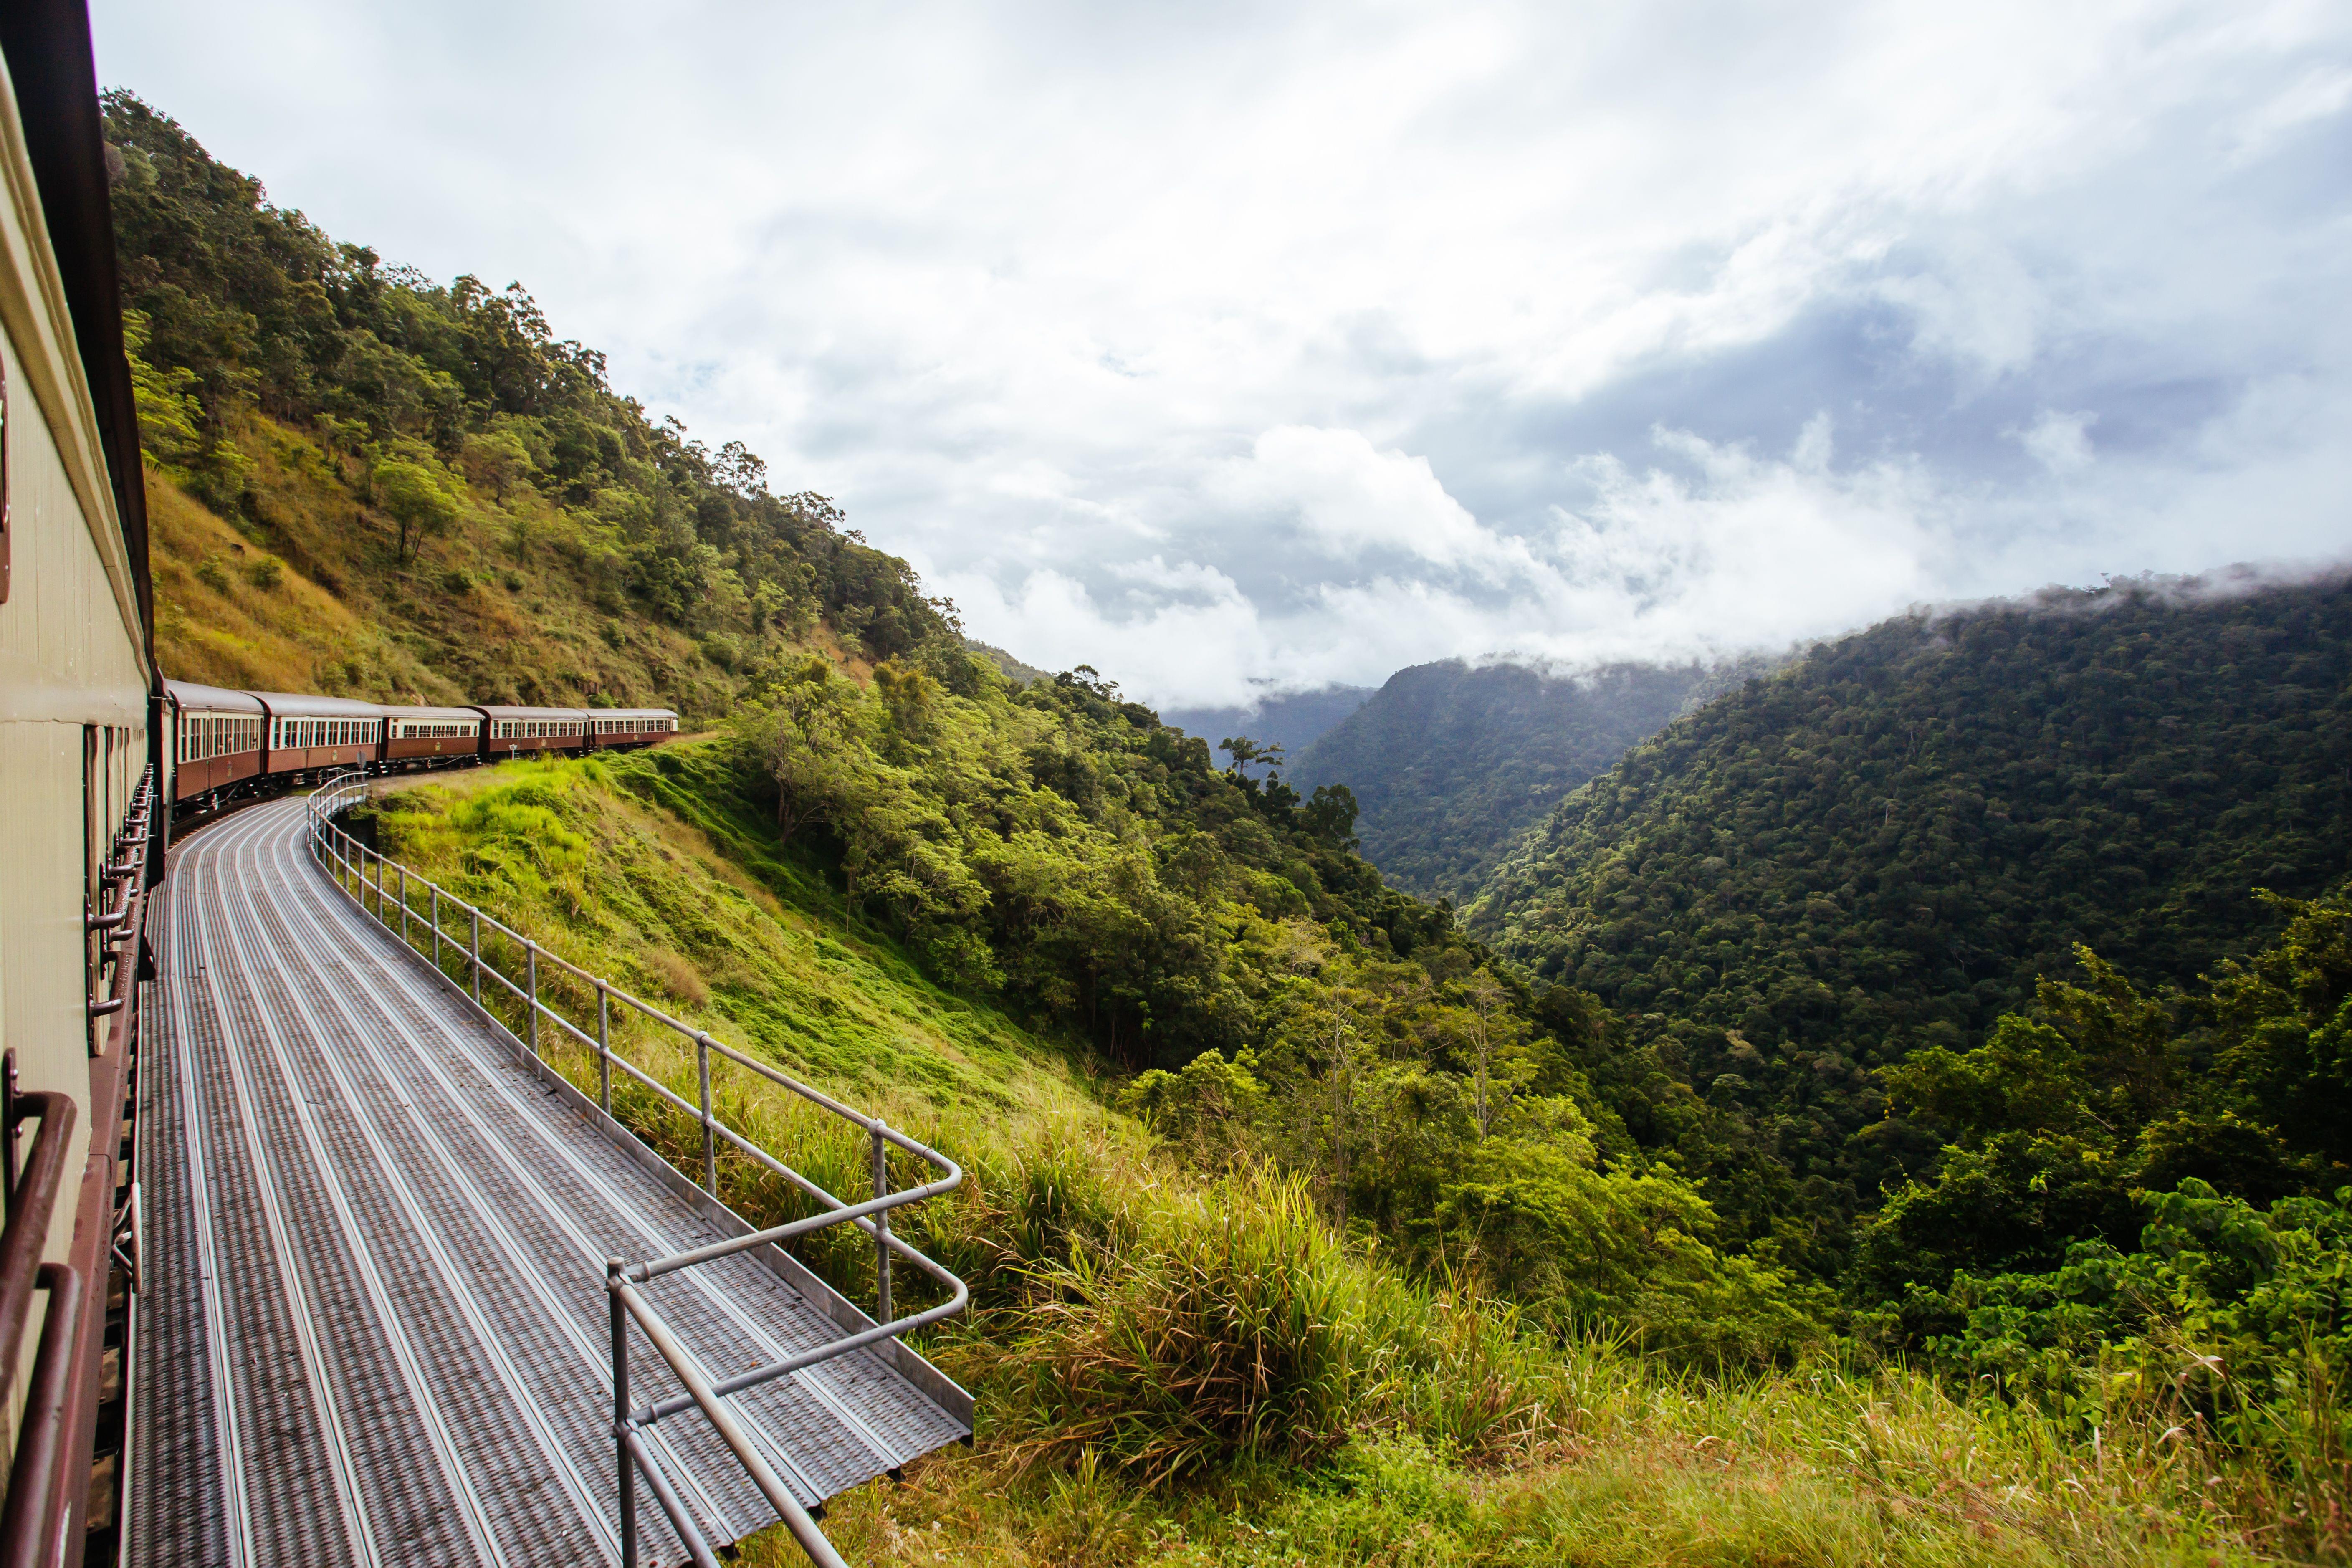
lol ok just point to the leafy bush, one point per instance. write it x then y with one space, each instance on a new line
265 572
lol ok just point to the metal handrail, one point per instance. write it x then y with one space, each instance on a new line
32 1201
345 857
31 1521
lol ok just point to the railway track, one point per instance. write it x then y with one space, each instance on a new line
372 1314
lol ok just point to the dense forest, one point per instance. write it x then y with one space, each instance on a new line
1450 762
1975 988
1885 847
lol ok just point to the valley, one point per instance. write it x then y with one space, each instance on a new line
1804 1111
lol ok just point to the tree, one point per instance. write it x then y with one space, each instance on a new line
1331 814
420 504
1246 753
1498 1045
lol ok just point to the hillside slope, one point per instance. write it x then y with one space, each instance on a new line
1450 762
1885 845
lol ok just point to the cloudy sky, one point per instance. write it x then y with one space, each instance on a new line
1219 345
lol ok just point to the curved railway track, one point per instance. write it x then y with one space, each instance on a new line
374 1315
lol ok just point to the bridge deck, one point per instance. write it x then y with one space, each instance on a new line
372 1322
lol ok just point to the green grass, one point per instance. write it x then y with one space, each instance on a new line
1182 1372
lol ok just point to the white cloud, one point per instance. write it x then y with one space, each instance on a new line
1304 342
1349 500
2060 442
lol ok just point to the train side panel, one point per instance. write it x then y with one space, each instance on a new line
74 717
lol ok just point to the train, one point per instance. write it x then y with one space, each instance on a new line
226 746
101 758
83 826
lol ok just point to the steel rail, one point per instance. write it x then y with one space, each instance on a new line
348 863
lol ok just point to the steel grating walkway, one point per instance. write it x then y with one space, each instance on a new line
373 1321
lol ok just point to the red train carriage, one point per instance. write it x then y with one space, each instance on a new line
521 731
627 727
311 735
425 737
215 738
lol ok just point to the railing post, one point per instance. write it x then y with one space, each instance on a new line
403 903
881 1226
603 1047
709 1139
475 954
613 1266
437 925
531 950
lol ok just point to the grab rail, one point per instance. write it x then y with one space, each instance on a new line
345 857
32 1201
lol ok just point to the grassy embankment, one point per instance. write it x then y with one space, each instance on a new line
1177 1371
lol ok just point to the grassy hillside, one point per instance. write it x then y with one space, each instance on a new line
1119 1291
1450 764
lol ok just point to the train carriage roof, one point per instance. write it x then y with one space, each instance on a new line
294 705
397 710
190 698
636 713
534 713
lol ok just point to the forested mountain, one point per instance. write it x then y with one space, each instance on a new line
1293 720
1884 847
1450 762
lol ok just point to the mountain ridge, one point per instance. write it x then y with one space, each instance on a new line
1450 761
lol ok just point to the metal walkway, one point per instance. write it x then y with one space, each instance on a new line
373 1320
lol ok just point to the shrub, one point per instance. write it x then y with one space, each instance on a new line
213 575
513 581
1233 1327
457 583
265 572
